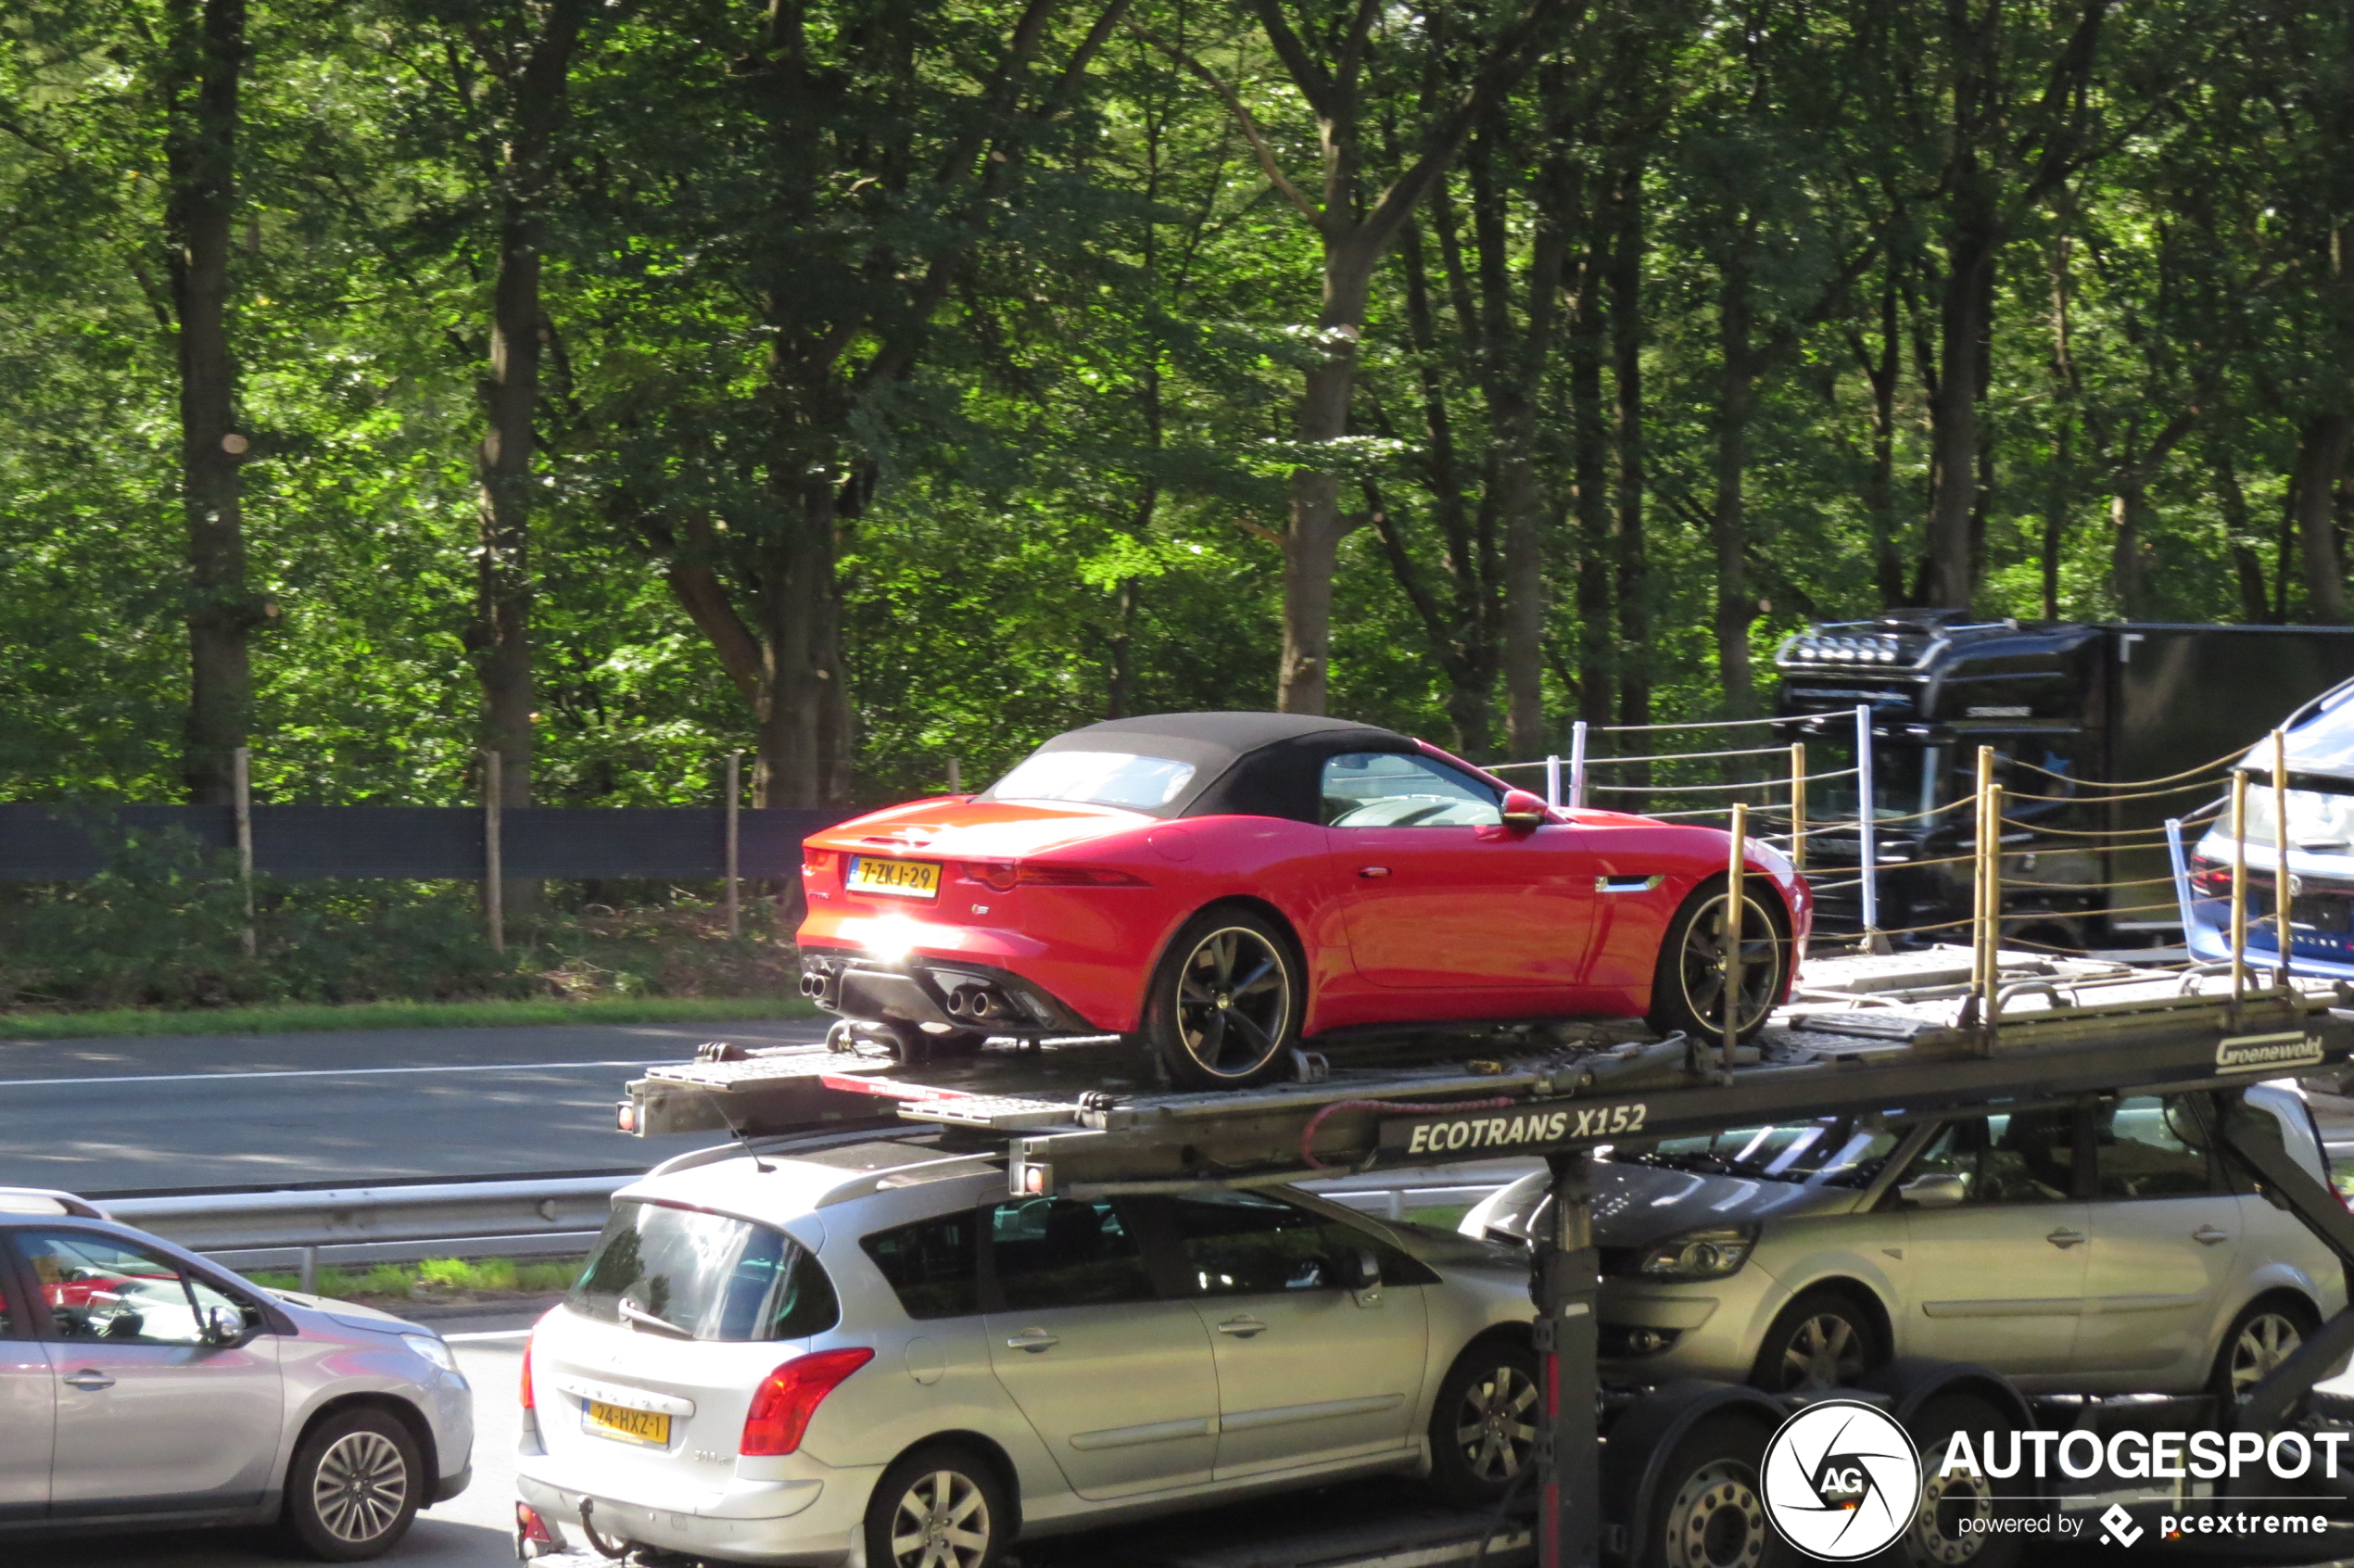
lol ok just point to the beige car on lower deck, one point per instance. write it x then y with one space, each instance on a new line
2099 1249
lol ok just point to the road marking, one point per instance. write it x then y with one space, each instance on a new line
322 1072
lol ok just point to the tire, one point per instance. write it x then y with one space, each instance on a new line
1226 1002
1825 1339
1709 1511
354 1486
1687 979
1484 1424
1937 1539
941 1505
2260 1339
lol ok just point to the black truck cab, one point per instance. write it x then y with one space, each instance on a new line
2074 713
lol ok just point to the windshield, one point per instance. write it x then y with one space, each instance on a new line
2317 823
705 1276
1834 1151
1896 778
1112 779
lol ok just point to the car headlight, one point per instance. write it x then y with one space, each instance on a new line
1711 1254
432 1349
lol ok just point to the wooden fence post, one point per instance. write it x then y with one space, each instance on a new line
494 859
735 763
243 758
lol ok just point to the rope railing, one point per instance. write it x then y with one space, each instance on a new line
2001 838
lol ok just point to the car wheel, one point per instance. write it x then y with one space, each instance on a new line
1687 983
1226 1002
2261 1338
355 1484
1709 1510
1825 1339
1484 1426
939 1507
1939 1537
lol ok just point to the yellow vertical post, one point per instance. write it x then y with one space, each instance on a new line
1735 903
2283 896
2239 882
1798 805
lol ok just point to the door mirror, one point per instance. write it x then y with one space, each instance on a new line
1942 1191
1359 1270
225 1327
1523 811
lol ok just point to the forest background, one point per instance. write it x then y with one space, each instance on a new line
611 384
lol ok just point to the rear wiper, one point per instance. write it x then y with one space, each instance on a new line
647 1320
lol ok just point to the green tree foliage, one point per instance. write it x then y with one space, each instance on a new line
915 380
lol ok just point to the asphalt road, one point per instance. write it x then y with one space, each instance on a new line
117 1116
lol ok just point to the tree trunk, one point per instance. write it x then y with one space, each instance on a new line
1879 485
500 636
2239 530
2321 462
1311 542
2128 568
1589 465
207 55
1971 248
1633 568
2056 505
1727 519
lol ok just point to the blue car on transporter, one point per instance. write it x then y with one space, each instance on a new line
2320 850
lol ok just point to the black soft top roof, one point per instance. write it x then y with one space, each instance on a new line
1251 765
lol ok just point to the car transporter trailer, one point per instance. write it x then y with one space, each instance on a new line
1893 1037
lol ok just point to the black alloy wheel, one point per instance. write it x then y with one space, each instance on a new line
1226 1003
1484 1424
1688 986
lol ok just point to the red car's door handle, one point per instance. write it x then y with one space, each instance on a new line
1372 870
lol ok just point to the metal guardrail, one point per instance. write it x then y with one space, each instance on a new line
532 1216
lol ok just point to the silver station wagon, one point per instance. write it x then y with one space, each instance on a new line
2104 1249
872 1350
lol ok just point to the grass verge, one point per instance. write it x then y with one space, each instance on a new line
307 1018
435 1280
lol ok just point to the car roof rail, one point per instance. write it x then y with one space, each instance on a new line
49 1200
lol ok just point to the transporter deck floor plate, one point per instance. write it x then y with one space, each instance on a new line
1878 1034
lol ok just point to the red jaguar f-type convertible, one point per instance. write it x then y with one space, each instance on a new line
1224 886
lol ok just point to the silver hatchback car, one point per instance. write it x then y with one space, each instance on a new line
871 1352
142 1387
2101 1248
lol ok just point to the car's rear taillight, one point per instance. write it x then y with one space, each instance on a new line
525 1388
816 862
2210 877
1002 875
787 1398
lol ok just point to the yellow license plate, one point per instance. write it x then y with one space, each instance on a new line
623 1425
901 878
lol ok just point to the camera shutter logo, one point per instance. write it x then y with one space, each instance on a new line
1841 1481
